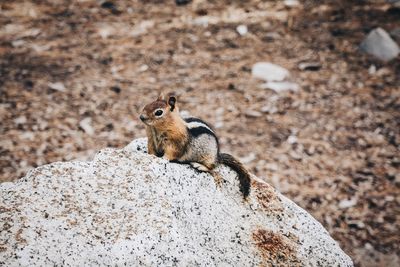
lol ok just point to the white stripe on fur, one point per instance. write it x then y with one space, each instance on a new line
195 124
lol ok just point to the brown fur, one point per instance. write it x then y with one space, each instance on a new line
209 162
148 109
167 134
176 136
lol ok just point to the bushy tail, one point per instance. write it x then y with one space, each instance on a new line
237 166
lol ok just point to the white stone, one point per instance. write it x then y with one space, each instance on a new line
40 48
143 68
269 72
142 28
58 86
279 87
269 108
218 124
314 66
372 69
249 158
347 203
201 21
242 29
18 43
86 125
105 31
20 120
253 113
291 3
128 208
272 166
292 139
185 113
378 43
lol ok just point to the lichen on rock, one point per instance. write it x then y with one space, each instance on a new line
126 207
276 249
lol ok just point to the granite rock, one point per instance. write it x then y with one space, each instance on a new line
126 207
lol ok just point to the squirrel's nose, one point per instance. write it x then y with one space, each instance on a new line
142 118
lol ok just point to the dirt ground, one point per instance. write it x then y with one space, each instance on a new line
75 74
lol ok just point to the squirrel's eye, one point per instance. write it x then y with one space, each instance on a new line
158 113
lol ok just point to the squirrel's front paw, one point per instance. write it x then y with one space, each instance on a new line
160 154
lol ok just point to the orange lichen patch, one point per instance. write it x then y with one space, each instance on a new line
266 196
72 222
18 236
275 249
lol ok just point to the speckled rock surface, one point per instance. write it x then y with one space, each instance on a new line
127 207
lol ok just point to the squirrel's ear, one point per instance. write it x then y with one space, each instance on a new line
160 97
171 101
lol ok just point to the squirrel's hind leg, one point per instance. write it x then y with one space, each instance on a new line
210 169
199 167
204 164
202 168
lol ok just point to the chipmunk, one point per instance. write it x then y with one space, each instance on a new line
186 140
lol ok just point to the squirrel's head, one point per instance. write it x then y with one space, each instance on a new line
158 112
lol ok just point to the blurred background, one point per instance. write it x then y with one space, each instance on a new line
322 124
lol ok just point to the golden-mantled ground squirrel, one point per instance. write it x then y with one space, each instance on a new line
186 140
